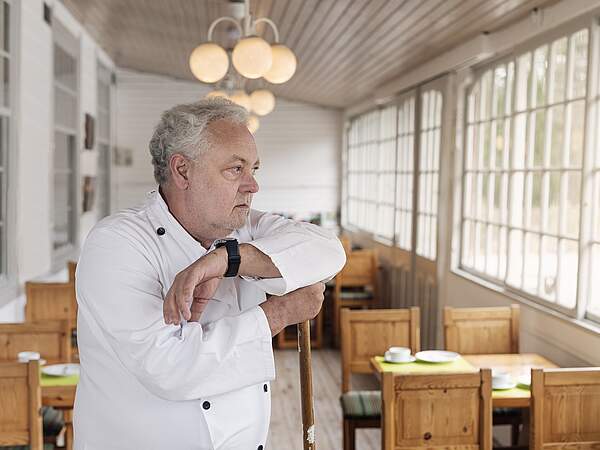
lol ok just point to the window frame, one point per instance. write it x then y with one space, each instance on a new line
578 312
9 286
71 44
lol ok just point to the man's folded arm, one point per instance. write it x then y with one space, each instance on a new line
119 290
303 253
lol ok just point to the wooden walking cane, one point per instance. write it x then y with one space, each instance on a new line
306 390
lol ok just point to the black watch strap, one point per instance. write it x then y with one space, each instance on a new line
233 256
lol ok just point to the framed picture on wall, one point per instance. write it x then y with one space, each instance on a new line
89 131
89 192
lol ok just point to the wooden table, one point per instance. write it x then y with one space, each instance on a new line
517 364
61 397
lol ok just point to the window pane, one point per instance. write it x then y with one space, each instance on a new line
515 259
540 58
569 262
579 43
549 268
532 263
559 69
593 305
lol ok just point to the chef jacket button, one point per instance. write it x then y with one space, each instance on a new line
206 405
260 447
265 387
160 231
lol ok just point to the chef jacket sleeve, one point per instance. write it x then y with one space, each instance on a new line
118 288
303 253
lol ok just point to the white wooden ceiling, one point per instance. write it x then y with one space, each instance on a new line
345 48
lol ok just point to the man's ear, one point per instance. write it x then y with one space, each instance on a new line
179 167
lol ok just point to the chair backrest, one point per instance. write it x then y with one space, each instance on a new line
360 269
51 339
345 240
72 267
442 411
565 408
21 403
50 301
479 331
368 333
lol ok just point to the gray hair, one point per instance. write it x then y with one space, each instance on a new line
183 129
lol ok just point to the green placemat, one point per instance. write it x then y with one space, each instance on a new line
47 380
516 392
457 366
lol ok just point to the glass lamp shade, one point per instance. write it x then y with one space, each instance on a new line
263 102
252 57
242 99
284 65
253 124
209 62
217 93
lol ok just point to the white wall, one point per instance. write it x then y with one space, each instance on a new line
33 114
299 146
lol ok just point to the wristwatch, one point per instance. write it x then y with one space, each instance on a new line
233 255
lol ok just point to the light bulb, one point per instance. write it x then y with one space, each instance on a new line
253 124
209 62
263 102
242 99
284 65
252 57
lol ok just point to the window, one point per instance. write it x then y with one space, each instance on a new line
405 171
66 100
363 143
428 173
380 167
5 116
523 172
104 142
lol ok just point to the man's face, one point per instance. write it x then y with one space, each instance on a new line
222 180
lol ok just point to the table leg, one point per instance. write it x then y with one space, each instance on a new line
68 417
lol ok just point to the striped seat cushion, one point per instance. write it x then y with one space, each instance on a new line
361 403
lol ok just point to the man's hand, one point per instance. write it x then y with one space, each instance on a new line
194 286
297 306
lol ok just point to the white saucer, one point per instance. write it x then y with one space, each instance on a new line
524 380
437 356
410 359
61 370
504 386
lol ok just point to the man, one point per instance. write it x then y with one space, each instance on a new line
196 378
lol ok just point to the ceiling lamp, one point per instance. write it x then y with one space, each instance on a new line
262 101
217 93
242 99
284 65
253 124
252 56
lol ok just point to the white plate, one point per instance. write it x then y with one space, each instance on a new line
61 370
437 356
504 386
524 380
410 359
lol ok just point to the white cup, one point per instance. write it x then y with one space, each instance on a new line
27 356
398 354
500 378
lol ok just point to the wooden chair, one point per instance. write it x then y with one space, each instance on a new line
53 302
366 334
51 339
480 331
21 400
565 412
355 285
345 240
72 267
442 411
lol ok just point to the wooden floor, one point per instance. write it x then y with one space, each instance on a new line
286 419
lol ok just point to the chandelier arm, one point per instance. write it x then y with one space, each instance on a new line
273 26
223 19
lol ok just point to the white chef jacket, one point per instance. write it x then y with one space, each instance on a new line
142 385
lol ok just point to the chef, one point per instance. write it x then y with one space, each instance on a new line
174 324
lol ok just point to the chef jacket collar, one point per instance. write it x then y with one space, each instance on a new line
171 225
